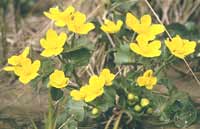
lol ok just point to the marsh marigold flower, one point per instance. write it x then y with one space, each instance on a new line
111 27
147 80
91 91
28 71
58 80
145 48
180 47
61 18
108 76
23 67
17 61
53 44
77 23
144 26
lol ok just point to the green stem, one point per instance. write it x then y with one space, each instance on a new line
164 64
49 121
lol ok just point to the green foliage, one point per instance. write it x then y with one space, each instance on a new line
56 94
124 55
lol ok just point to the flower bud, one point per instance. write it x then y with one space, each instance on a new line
149 110
144 102
131 96
95 111
137 108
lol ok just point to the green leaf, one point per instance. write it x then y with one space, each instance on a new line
124 5
80 43
71 124
185 117
177 28
76 108
56 94
35 82
123 55
78 57
106 101
47 67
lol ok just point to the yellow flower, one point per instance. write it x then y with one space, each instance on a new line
23 66
108 76
58 80
143 48
28 71
17 61
94 89
77 23
91 91
53 44
97 81
61 18
111 27
147 80
144 102
144 27
180 47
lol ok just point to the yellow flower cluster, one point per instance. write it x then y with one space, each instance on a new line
146 46
53 44
58 80
94 88
147 80
146 33
144 26
23 67
74 20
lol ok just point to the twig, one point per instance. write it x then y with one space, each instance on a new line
109 122
116 125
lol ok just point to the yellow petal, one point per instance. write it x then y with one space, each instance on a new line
148 73
60 23
13 60
131 21
51 35
25 52
9 68
62 39
69 10
79 18
85 28
156 44
141 81
77 95
135 48
43 43
36 65
119 23
146 20
189 47
157 29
